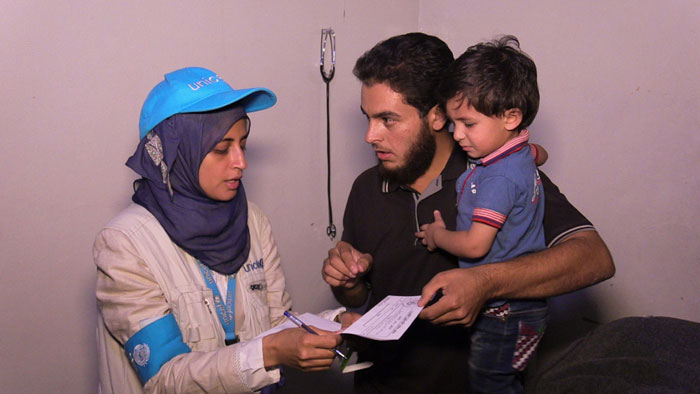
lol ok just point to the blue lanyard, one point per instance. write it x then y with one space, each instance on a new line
225 309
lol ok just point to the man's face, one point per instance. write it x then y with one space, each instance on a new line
402 140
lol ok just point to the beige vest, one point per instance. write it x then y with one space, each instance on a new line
191 302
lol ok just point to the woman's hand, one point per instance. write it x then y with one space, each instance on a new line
299 349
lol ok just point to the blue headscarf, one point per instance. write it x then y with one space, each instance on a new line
168 159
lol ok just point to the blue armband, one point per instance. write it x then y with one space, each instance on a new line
154 345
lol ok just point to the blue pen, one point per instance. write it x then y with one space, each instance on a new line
301 324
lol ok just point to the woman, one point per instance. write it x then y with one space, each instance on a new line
189 274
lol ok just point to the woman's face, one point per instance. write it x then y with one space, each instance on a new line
222 168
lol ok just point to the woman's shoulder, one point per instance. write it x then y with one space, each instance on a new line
131 221
255 212
254 208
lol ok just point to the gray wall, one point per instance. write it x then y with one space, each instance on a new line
620 94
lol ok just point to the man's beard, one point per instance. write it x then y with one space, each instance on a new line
417 161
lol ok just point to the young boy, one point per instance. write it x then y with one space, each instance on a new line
491 96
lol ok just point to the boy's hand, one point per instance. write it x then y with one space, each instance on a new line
427 233
539 154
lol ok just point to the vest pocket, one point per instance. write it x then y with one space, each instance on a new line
254 288
196 315
253 291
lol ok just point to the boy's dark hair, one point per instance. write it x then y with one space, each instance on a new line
411 64
494 77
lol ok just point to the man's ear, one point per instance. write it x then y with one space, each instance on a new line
436 118
512 118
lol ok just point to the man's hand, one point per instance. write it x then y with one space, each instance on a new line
427 233
345 266
464 292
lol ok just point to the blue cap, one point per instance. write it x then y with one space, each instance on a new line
196 89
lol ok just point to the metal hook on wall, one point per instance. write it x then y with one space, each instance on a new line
327 36
327 72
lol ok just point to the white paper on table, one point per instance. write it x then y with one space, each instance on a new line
388 320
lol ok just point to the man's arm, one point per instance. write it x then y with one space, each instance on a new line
579 260
353 297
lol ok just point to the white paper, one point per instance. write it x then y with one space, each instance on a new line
388 320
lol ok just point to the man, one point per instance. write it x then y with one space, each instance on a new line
379 254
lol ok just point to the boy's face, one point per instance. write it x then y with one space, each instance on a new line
478 135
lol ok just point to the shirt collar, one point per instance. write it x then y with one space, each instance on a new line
507 149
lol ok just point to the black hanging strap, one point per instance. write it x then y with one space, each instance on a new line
328 36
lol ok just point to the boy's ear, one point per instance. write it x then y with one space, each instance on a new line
512 118
436 118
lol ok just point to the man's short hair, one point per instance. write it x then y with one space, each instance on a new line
494 77
411 64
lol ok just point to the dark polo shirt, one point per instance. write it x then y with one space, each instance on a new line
380 219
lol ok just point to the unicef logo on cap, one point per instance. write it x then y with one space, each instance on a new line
141 354
197 89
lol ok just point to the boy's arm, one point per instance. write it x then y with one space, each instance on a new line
473 243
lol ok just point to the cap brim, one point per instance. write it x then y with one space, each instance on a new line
253 99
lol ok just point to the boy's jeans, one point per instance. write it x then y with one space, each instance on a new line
503 340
